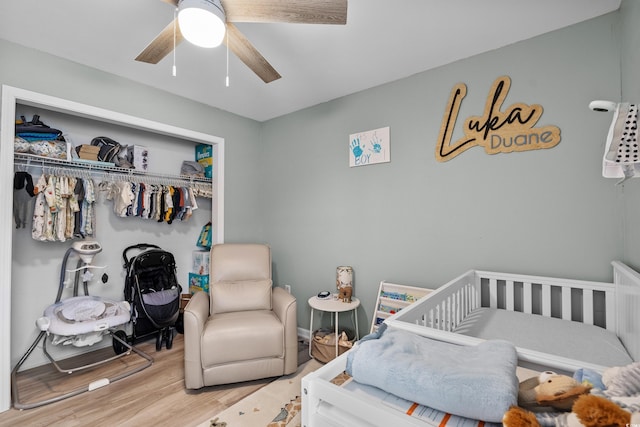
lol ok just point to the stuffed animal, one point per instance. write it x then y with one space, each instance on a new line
550 391
345 293
519 417
596 411
344 283
588 411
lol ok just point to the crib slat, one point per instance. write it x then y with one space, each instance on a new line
493 293
546 300
469 297
566 303
509 295
443 314
475 296
436 322
447 315
476 301
610 314
587 306
457 314
461 307
527 300
453 307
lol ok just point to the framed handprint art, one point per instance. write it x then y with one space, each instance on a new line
370 147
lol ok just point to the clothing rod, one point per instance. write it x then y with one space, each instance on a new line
64 167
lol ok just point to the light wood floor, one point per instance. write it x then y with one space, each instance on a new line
155 396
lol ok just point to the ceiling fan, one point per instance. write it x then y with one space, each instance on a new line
222 13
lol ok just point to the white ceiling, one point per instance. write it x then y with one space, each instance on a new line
382 41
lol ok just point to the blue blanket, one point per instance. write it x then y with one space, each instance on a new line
477 382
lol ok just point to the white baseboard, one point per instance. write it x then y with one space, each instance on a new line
303 334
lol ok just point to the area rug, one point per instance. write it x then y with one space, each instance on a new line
275 405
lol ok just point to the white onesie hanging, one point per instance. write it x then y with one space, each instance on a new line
621 155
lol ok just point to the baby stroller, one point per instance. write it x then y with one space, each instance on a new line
152 290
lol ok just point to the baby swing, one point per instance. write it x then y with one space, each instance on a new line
80 321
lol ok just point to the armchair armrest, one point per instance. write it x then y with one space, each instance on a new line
196 314
285 307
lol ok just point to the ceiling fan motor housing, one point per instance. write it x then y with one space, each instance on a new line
202 22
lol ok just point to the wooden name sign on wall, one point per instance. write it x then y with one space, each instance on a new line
497 131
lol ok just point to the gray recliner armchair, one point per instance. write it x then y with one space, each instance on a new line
244 329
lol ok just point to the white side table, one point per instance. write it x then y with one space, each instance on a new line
332 305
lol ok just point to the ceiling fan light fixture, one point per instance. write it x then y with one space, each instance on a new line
202 22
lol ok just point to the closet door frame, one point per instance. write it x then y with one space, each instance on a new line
12 96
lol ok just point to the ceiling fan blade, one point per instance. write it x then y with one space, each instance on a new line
172 2
289 11
162 45
248 54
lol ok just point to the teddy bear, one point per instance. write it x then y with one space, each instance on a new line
345 293
614 400
344 283
588 410
550 391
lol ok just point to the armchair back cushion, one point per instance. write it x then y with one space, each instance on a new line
227 297
240 278
239 262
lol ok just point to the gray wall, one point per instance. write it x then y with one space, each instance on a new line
417 221
630 64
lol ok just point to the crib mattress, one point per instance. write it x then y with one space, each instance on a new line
564 338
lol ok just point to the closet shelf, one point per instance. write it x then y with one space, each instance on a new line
107 170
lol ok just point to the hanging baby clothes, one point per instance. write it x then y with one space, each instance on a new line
57 207
187 204
62 194
122 196
39 210
146 201
78 197
621 156
193 205
52 210
23 191
177 201
72 208
161 203
162 206
168 202
88 218
140 200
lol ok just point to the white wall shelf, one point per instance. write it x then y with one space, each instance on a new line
29 160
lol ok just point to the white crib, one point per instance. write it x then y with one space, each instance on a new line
614 307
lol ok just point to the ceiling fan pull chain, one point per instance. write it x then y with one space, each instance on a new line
227 79
175 22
